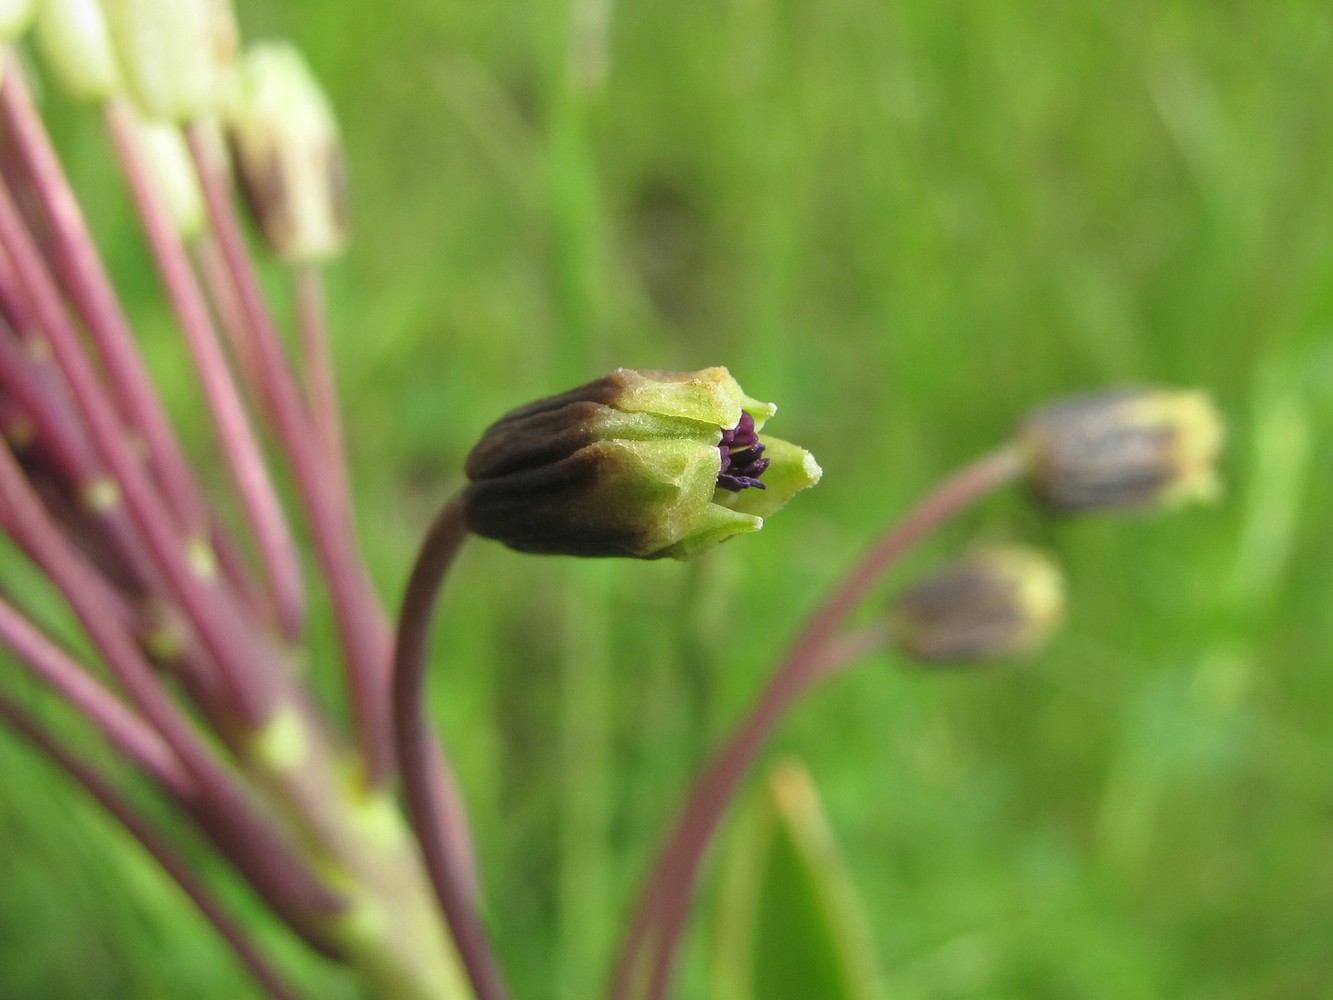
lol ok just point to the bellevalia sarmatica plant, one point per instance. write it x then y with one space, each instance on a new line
194 625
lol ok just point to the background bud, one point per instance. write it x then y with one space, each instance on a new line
288 153
172 172
73 40
995 603
1124 449
169 51
630 465
15 16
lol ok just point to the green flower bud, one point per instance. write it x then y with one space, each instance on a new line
995 603
15 16
288 153
1122 449
173 52
644 464
73 40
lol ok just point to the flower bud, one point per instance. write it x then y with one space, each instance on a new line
173 52
1124 448
288 153
15 16
167 160
73 39
995 603
644 464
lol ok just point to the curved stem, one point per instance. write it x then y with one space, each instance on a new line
665 901
416 759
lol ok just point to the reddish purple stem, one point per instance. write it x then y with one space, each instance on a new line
362 629
110 799
273 538
412 739
95 300
665 902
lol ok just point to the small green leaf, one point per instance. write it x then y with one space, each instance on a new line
789 925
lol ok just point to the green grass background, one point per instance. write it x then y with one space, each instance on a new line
907 222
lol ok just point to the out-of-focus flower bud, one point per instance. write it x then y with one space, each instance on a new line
16 426
224 34
172 52
73 40
288 153
995 603
169 165
1121 449
643 464
15 16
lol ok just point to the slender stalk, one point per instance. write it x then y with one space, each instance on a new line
291 888
95 300
127 733
321 384
247 666
110 799
209 263
97 511
413 743
363 632
664 904
273 538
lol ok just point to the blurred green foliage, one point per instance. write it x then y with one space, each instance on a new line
907 222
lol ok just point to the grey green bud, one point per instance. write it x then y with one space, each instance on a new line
73 40
1124 449
288 153
641 464
994 603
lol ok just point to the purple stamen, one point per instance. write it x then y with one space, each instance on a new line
741 462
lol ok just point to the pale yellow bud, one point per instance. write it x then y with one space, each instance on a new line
15 16
172 52
172 173
75 44
288 153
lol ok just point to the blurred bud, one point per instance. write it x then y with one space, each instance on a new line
16 426
643 464
995 603
73 40
15 16
1124 449
171 170
172 52
224 36
288 154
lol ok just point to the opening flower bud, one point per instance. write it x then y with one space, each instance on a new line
73 40
643 464
288 154
1124 449
995 603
